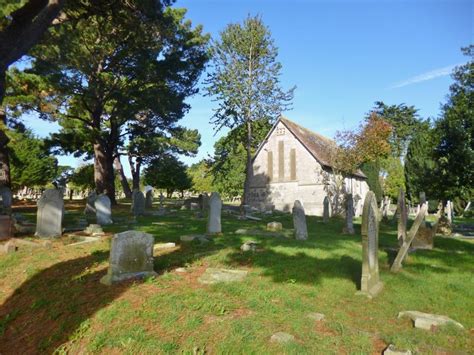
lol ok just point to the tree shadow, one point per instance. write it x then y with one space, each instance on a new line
47 309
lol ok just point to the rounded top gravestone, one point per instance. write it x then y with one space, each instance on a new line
214 217
103 210
299 221
50 214
370 283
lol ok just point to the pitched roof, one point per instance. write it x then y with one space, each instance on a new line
317 145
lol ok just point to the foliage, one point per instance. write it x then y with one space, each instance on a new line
372 171
244 81
83 177
31 163
167 172
393 176
419 165
454 151
200 174
228 164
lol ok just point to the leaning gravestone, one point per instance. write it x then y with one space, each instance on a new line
370 283
131 256
299 221
214 218
402 218
149 198
50 214
326 205
349 206
403 251
138 203
103 210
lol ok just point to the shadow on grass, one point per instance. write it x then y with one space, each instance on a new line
47 309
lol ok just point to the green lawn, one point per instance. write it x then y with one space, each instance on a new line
51 299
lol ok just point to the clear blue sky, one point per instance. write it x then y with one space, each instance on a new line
343 56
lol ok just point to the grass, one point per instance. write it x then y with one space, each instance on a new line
52 301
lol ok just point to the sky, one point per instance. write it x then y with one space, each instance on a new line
342 55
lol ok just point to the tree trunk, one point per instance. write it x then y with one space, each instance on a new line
248 165
135 170
104 172
5 179
123 179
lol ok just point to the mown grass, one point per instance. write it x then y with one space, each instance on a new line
52 299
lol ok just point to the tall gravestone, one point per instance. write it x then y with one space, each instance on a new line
131 256
449 212
149 198
349 207
370 283
138 203
402 217
385 207
214 217
326 206
103 208
6 200
49 217
299 221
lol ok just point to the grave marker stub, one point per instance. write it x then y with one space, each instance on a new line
131 256
299 221
349 204
370 282
214 217
138 203
50 214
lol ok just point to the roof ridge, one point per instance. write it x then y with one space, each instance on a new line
283 118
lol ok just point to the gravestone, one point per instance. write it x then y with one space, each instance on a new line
299 221
6 200
403 251
162 198
103 210
149 198
326 206
138 203
49 217
205 202
349 207
385 208
90 203
449 212
131 256
6 227
422 197
214 217
370 283
402 218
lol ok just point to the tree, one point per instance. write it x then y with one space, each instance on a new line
454 151
167 173
394 178
229 161
419 165
83 177
22 25
372 171
112 70
31 163
245 82
200 174
367 144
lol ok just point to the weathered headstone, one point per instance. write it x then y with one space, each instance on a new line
162 199
424 237
214 217
131 256
326 206
349 211
449 212
50 214
205 202
385 208
299 221
6 200
403 251
103 210
149 198
90 203
138 203
370 283
402 217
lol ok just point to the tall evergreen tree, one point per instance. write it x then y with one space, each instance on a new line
245 81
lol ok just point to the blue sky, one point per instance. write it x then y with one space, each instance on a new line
342 56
